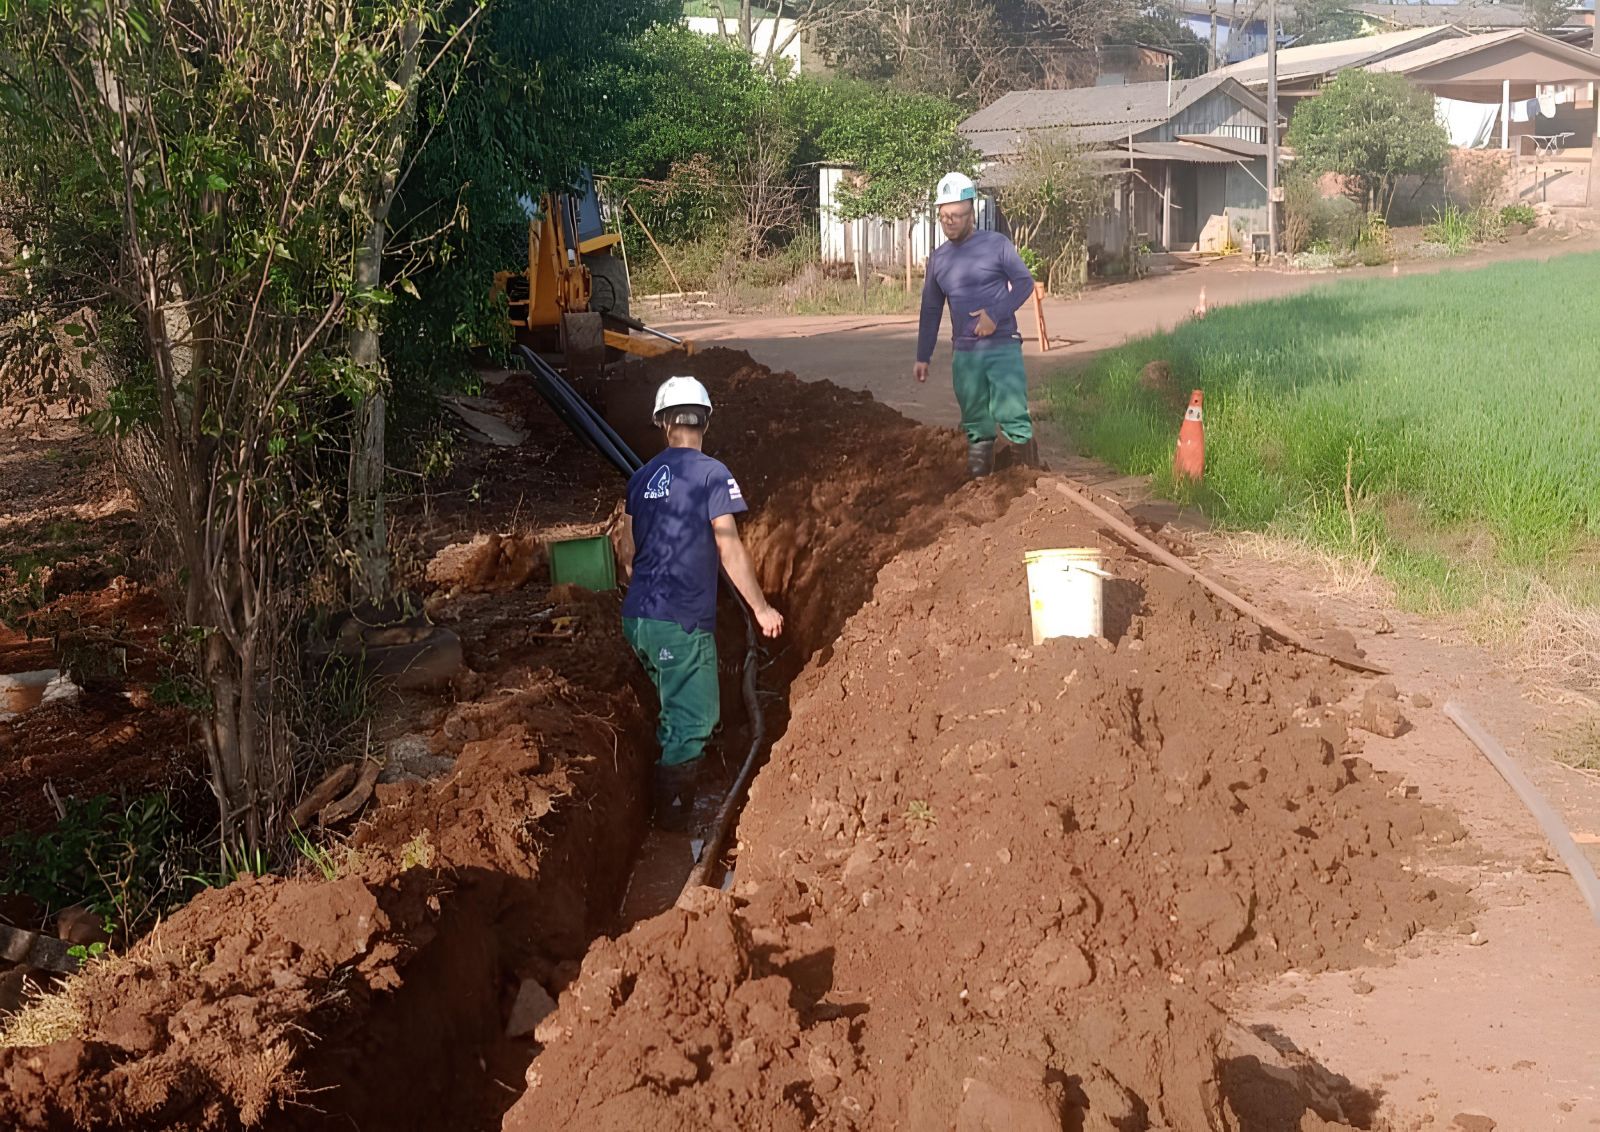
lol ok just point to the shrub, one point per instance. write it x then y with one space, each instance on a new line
1373 245
1453 227
1487 225
1375 128
1519 214
1302 205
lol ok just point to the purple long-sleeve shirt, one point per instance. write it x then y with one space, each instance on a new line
981 273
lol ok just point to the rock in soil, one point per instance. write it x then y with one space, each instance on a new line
1380 711
533 1005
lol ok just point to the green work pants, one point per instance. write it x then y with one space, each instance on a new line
992 390
683 667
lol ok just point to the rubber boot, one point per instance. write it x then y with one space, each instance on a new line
1028 454
672 796
980 458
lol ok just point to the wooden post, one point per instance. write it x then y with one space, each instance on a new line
676 282
1505 114
1166 211
860 233
909 242
1038 314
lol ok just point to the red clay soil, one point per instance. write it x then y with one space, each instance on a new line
103 744
979 885
508 865
986 885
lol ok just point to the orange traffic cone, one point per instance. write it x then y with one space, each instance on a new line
1200 307
1189 462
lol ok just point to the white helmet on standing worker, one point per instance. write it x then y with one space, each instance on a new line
955 188
683 393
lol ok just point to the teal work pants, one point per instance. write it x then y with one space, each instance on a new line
992 390
683 667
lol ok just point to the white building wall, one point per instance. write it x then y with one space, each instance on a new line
765 33
884 240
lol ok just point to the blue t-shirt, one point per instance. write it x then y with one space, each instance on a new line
673 500
982 272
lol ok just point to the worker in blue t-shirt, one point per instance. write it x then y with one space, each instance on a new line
680 518
982 278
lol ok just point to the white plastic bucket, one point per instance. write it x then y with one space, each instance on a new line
1064 593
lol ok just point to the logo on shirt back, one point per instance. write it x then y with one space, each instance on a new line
660 485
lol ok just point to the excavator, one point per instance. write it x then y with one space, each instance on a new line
572 301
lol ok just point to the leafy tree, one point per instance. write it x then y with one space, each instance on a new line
547 90
1322 21
1372 128
968 51
901 143
206 179
707 135
1053 193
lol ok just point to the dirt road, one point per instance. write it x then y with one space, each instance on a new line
875 353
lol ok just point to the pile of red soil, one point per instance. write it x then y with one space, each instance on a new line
515 858
198 1027
979 884
994 883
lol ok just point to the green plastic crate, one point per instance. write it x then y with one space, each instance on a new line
586 562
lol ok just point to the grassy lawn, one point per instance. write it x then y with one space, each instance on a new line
1446 426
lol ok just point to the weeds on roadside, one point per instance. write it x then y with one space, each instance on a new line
126 862
1453 227
319 857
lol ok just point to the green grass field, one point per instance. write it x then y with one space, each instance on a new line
1447 425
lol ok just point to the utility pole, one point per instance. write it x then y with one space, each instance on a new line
1273 191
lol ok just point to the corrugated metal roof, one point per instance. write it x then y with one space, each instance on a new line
1328 58
1139 105
1183 151
1230 10
1236 146
1436 15
1582 63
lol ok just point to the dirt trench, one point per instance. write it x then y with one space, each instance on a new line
986 885
380 1000
978 885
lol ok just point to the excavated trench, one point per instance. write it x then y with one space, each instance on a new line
381 1001
827 514
1082 844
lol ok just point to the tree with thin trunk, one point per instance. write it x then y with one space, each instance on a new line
212 178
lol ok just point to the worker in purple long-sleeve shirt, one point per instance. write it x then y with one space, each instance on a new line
985 283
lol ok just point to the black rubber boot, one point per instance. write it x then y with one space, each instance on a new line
1028 454
980 458
672 796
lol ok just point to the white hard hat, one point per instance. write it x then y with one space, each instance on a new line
676 391
954 188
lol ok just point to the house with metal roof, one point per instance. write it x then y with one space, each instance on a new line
1513 89
1469 15
1189 157
1303 70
